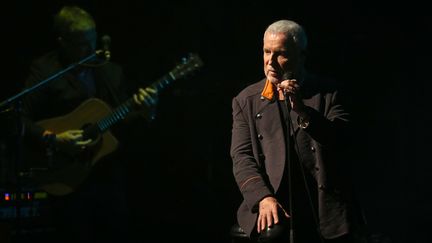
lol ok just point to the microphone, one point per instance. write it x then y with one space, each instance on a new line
106 43
288 75
285 76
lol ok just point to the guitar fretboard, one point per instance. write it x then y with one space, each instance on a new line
117 115
188 66
120 112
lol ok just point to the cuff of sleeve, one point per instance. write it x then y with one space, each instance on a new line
303 123
304 120
48 136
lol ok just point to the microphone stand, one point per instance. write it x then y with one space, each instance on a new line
288 123
16 101
288 141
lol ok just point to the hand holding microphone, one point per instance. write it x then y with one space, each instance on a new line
291 90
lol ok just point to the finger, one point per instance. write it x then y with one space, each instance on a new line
263 222
285 87
143 96
289 82
283 84
284 211
151 90
142 92
148 91
269 219
279 87
147 98
259 223
76 136
275 218
135 97
75 132
85 142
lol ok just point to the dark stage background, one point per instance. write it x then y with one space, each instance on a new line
178 175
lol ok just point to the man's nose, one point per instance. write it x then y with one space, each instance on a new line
273 58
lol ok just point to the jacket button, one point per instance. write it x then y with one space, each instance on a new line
260 137
259 116
321 187
317 168
312 149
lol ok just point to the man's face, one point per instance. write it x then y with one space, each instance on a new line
281 58
79 45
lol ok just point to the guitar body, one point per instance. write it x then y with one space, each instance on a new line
69 171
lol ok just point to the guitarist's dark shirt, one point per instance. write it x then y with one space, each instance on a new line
62 95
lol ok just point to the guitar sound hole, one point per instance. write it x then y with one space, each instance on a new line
91 132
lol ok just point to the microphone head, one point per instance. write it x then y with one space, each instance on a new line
288 75
106 42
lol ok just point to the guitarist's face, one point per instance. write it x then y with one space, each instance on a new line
78 45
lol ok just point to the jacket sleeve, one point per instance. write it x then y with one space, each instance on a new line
331 126
247 172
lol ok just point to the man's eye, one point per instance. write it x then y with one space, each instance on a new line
284 54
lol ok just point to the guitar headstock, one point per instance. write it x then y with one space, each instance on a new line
188 65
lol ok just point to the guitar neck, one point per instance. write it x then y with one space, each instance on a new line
190 64
126 107
163 82
116 115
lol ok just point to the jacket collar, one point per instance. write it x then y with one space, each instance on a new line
269 91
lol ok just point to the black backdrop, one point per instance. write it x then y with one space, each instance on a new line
178 175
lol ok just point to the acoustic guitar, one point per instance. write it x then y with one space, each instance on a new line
66 171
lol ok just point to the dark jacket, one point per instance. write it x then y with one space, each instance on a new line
259 156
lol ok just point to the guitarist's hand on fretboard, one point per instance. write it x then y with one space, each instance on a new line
147 100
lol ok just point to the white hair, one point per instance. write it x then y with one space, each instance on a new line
291 29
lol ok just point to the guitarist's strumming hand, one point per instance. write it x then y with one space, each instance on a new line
71 141
147 100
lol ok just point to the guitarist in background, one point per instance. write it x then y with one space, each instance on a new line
96 210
